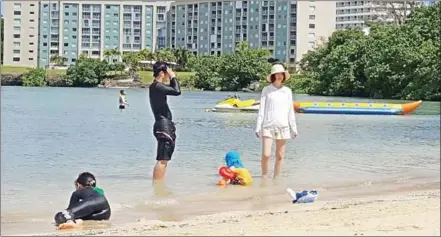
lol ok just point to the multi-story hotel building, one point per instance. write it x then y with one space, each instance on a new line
355 13
286 28
36 30
39 29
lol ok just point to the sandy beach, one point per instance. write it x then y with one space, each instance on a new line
404 213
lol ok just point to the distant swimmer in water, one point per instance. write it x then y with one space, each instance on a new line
122 100
87 202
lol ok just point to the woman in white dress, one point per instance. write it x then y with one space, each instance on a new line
276 119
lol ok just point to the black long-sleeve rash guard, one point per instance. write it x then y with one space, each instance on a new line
158 98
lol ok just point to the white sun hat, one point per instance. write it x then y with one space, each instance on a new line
278 68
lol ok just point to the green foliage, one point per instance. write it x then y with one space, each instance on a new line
183 56
34 77
232 71
393 61
58 60
207 74
86 73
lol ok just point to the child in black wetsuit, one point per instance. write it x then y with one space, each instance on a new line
86 203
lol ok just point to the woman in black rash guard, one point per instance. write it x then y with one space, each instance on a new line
87 202
164 129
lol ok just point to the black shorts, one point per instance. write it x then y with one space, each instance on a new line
164 131
122 106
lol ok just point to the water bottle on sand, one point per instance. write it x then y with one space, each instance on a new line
303 197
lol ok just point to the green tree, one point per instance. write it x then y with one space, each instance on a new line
58 60
86 73
131 59
83 56
34 77
392 61
207 74
243 67
146 55
164 55
182 56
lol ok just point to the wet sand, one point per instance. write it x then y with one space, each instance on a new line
405 212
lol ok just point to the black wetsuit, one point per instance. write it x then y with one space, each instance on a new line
164 129
85 204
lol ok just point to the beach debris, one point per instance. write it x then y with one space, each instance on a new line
303 197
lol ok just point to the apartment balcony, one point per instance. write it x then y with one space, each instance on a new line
136 26
127 10
127 26
96 32
95 45
96 17
137 18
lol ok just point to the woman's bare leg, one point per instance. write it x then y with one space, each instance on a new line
280 154
266 154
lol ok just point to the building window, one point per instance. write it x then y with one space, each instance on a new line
32 13
32 36
31 20
31 59
311 35
311 26
17 28
66 13
16 51
17 44
16 59
17 21
17 5
312 8
31 51
16 36
17 13
311 17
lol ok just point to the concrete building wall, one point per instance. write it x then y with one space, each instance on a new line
21 33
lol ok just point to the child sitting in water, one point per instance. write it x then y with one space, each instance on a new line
87 202
241 175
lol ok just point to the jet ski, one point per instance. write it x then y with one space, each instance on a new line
234 104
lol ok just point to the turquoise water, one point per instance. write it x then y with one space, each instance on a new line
50 135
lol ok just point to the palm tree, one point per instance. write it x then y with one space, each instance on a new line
107 54
164 55
182 56
115 52
58 60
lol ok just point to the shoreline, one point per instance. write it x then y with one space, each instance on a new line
405 212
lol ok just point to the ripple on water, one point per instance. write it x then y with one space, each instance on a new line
49 135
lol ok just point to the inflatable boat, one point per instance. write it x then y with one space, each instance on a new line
356 108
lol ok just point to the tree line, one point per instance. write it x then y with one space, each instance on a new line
391 61
397 61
